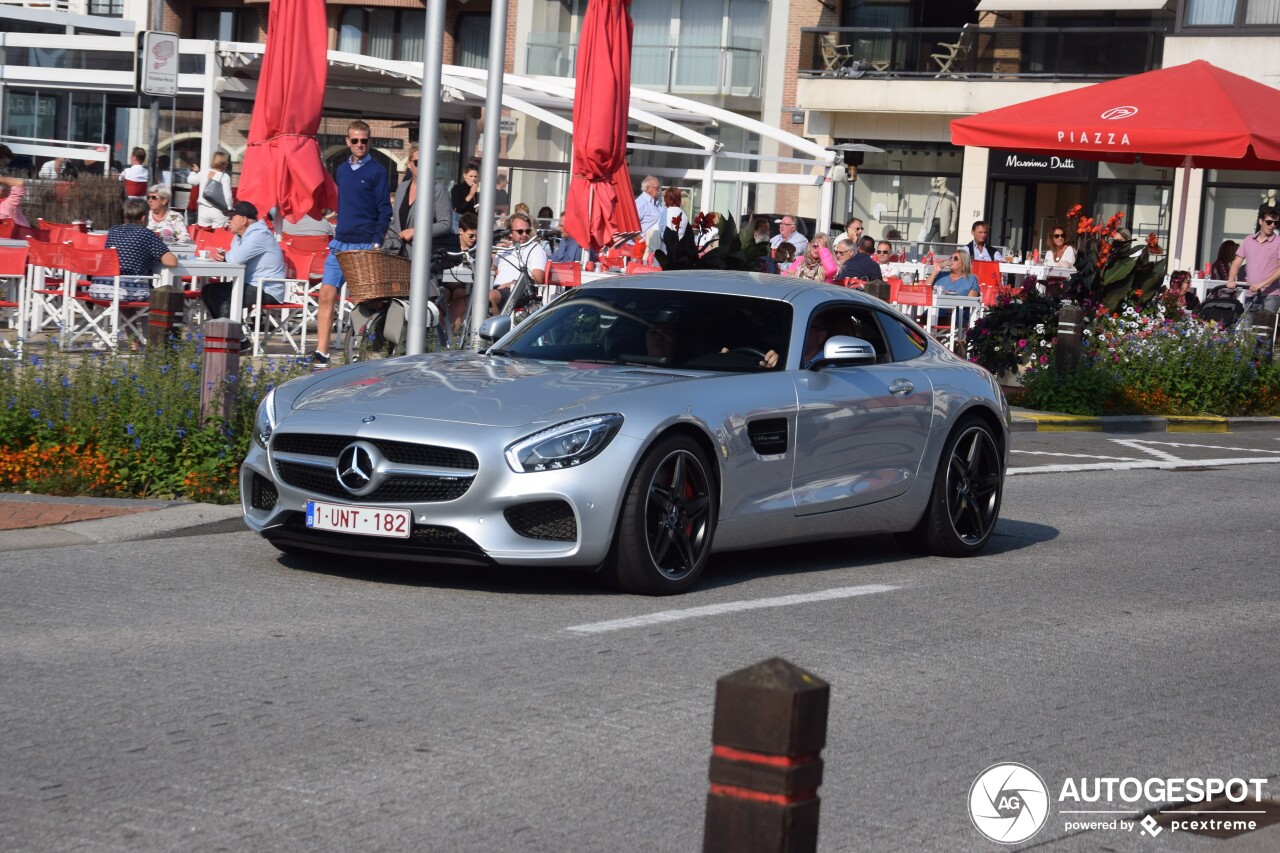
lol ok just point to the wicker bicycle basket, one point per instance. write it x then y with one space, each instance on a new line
374 274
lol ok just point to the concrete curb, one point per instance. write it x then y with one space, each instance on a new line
165 522
1027 420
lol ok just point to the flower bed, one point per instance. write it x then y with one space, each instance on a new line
124 426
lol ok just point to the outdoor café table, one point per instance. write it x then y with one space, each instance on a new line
956 303
201 269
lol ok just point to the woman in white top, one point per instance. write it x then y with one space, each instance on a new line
210 216
1060 256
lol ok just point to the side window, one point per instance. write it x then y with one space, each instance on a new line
905 343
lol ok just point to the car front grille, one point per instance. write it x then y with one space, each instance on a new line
550 520
400 452
322 479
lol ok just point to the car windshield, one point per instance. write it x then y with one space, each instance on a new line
662 328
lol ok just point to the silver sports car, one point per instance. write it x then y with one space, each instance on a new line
635 427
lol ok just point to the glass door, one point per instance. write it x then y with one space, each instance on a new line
1012 217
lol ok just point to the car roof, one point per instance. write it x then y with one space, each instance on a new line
754 284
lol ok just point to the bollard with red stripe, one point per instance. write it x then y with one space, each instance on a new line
769 729
221 362
164 318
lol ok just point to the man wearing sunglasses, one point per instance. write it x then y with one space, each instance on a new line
524 254
1260 255
862 264
364 212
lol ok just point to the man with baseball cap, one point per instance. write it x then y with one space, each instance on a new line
254 246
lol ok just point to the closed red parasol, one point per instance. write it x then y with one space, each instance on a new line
600 203
282 165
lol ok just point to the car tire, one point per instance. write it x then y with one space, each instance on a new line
667 523
965 502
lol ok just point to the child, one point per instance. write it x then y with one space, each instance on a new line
785 254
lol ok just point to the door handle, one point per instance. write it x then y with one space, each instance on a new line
901 387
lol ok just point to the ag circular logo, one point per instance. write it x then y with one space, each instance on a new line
1008 803
1119 113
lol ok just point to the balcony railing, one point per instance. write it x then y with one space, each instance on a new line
100 8
678 70
1034 53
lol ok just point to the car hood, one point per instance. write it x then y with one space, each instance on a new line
475 389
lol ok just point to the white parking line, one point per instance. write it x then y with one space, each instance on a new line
727 607
1134 466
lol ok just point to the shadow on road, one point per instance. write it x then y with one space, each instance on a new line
724 570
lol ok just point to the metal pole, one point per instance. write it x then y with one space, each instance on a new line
157 21
428 139
488 168
824 202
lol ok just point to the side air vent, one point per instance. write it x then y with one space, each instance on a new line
768 436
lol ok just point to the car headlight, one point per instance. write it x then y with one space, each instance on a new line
265 421
564 445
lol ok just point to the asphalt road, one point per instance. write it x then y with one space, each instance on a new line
204 693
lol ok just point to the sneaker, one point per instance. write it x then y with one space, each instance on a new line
319 360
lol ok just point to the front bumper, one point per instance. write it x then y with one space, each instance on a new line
556 518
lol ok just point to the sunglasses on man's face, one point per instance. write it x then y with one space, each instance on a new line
882 251
352 140
520 231
1268 222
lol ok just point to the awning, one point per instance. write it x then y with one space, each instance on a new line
1073 6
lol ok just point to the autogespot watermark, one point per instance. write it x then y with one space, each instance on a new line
1009 803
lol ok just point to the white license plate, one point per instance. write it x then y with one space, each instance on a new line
364 520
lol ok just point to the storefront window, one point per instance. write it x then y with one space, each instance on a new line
909 193
1231 202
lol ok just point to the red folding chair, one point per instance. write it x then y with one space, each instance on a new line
13 293
633 269
135 189
562 274
84 240
6 229
988 273
107 320
46 285
290 317
309 242
208 239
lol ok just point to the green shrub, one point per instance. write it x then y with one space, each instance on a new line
124 425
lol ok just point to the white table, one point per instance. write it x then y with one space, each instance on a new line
205 268
956 303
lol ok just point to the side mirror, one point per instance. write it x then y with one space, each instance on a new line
493 329
845 350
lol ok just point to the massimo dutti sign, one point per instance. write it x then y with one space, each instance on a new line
1018 164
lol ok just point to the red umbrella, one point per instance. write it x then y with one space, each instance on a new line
1218 119
1193 115
282 165
600 203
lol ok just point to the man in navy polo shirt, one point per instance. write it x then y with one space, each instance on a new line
364 212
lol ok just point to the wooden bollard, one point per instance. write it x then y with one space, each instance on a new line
1066 352
164 317
766 760
221 361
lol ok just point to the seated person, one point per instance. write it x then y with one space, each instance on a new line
660 341
254 246
138 250
784 256
959 281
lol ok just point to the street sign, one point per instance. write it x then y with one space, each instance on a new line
157 64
